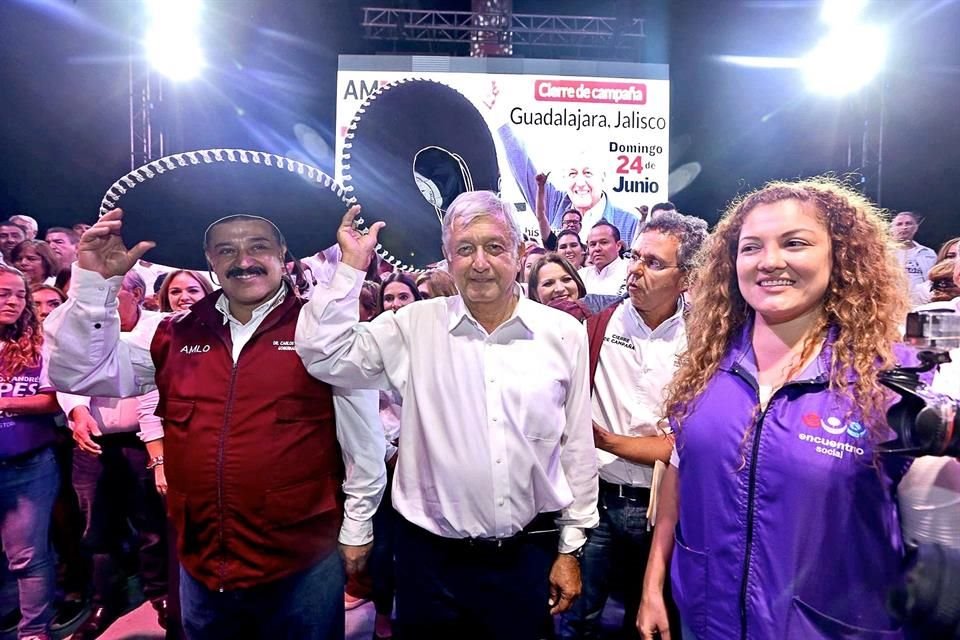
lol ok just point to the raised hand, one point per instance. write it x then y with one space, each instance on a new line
357 248
102 250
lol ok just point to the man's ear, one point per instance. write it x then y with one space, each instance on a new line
686 281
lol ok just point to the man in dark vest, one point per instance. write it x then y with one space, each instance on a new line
252 442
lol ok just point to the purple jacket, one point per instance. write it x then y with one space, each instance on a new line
801 542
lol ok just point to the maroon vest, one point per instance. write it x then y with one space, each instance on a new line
252 460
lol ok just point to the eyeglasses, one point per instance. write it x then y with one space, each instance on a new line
649 262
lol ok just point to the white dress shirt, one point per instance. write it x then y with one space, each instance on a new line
124 415
321 265
495 427
610 281
88 357
636 363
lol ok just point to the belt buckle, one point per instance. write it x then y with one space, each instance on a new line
620 492
485 543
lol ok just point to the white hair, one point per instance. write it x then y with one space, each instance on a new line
470 205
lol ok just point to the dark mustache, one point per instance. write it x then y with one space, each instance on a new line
250 271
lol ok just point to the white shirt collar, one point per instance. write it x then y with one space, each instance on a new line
606 270
461 319
635 316
223 306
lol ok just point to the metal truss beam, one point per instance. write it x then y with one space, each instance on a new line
510 29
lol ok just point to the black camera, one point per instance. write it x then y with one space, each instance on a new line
927 423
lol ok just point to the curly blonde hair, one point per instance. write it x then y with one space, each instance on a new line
865 300
23 338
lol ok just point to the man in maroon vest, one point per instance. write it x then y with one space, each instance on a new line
253 464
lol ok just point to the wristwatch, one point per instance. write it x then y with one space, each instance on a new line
578 552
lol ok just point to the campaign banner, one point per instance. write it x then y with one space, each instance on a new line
599 130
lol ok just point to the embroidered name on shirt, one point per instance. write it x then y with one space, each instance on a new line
620 341
284 345
196 348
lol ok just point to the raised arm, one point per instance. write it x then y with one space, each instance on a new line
540 209
334 346
526 174
87 356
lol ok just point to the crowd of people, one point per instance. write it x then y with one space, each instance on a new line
491 448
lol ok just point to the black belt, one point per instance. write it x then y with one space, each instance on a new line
625 491
544 525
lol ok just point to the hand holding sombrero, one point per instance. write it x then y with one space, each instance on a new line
101 247
173 200
357 248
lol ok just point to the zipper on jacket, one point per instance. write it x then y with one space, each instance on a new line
228 409
751 491
752 484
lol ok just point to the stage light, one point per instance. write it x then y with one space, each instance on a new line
846 60
842 12
172 40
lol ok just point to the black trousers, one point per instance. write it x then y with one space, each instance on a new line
115 490
455 589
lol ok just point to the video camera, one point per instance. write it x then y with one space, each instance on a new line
927 423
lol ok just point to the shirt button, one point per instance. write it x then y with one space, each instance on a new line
500 502
499 460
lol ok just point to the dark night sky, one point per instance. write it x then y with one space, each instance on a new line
64 113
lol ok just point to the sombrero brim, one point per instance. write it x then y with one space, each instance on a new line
174 199
396 123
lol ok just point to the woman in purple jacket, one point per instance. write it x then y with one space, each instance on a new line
788 525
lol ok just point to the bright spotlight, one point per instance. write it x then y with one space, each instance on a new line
846 60
172 40
842 12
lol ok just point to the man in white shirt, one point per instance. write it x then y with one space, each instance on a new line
635 356
114 482
607 272
496 450
915 258
252 464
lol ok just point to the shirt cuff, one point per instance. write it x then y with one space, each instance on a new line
571 539
68 402
356 533
92 288
346 280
